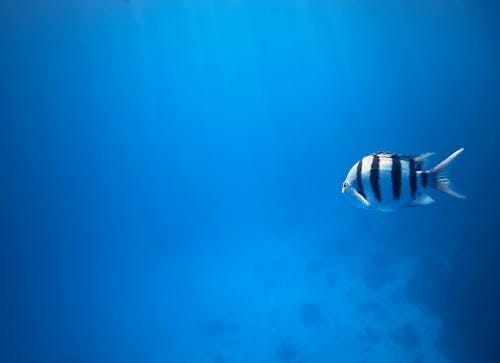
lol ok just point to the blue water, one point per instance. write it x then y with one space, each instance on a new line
171 175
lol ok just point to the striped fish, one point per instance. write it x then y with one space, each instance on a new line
387 182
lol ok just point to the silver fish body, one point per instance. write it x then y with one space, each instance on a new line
387 182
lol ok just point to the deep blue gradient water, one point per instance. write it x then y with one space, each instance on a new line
171 175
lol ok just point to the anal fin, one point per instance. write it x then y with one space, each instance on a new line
422 199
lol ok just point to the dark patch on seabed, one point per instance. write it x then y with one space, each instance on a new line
369 335
406 336
466 298
287 351
217 327
310 313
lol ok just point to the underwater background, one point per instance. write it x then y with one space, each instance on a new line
171 174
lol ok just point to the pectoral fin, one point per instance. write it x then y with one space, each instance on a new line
362 199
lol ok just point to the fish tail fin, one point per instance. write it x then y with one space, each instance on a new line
439 176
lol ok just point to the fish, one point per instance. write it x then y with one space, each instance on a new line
386 181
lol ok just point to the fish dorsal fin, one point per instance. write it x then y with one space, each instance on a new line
383 153
421 159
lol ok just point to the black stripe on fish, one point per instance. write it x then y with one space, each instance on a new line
396 177
413 179
424 179
374 177
358 179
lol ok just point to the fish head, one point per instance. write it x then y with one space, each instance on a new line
350 181
349 188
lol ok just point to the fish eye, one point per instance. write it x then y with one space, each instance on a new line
345 185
